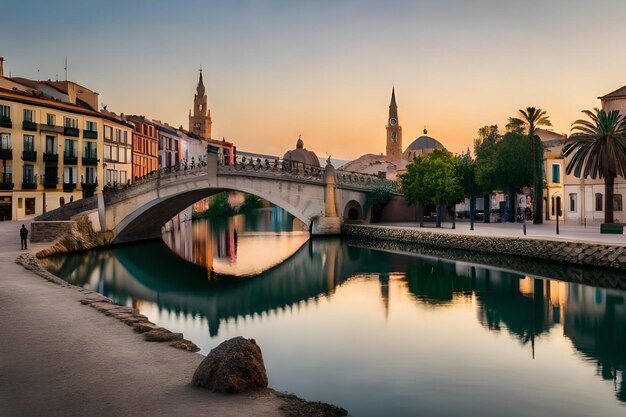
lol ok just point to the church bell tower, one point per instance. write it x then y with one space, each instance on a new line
200 121
394 131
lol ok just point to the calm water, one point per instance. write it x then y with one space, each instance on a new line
379 333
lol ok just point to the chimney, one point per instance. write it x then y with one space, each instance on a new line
1 66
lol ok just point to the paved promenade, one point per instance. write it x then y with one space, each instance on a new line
60 358
567 232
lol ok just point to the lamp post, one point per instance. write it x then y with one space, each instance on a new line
558 212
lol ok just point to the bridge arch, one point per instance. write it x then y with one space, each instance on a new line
353 211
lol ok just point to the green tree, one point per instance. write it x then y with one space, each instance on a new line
432 179
250 202
513 167
533 118
466 173
377 199
486 162
218 207
598 149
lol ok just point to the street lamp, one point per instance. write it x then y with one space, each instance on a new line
558 212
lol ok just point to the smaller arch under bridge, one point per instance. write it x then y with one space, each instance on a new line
320 198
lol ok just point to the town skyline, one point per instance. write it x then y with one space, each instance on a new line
277 70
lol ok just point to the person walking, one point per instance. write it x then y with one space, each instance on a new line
24 237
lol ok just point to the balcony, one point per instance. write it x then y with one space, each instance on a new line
70 159
6 154
89 188
49 181
51 128
26 125
69 186
6 181
5 122
50 157
71 131
90 160
90 134
29 185
29 156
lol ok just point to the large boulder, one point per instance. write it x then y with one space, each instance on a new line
236 365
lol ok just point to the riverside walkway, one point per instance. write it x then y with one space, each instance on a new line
567 232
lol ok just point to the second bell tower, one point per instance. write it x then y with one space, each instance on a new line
394 130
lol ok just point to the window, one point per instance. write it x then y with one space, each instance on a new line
28 115
111 176
91 126
70 122
90 150
598 202
108 132
122 156
107 152
556 173
572 203
28 174
118 135
29 143
71 148
5 141
5 112
123 177
125 137
617 202
69 175
50 148
29 206
90 175
51 119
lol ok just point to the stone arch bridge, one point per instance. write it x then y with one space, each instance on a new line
320 198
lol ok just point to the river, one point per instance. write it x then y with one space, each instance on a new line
378 332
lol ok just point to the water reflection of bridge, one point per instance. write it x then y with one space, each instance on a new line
526 308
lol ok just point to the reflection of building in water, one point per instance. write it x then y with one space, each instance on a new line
595 321
383 279
192 242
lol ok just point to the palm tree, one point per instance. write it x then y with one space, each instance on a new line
531 119
598 149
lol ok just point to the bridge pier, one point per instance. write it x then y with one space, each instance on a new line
326 226
330 224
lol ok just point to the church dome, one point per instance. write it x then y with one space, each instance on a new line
422 145
301 156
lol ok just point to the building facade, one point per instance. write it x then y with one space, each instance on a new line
117 147
145 146
585 197
50 145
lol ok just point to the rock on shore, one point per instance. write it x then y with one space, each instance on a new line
236 365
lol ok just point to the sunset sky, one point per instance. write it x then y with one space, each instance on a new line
325 69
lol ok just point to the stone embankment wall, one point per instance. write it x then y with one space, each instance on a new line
50 230
67 211
79 237
577 253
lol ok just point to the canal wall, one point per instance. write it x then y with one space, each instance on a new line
569 252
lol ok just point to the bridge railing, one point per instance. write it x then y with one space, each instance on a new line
263 167
274 167
360 180
184 168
